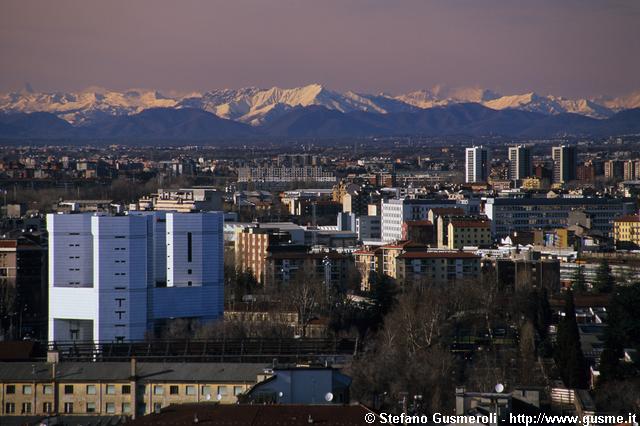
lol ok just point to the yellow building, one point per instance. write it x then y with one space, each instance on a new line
118 388
626 230
469 232
437 266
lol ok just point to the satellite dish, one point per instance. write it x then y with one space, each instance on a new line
218 397
208 397
499 387
328 397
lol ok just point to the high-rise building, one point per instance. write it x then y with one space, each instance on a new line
520 165
116 278
565 162
478 164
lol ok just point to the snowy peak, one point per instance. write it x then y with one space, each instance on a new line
256 106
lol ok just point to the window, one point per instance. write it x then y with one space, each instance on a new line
126 389
91 389
27 390
110 408
189 247
91 407
47 407
157 407
206 390
47 389
190 390
189 271
11 389
9 408
222 391
68 389
158 390
26 408
126 408
237 390
174 390
68 407
111 389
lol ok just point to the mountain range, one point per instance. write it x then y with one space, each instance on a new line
308 111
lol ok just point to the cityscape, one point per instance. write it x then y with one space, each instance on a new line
280 252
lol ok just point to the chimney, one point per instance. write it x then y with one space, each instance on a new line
133 368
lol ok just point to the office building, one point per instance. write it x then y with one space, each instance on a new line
565 162
477 164
520 165
119 277
527 214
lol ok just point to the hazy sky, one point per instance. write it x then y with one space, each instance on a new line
566 47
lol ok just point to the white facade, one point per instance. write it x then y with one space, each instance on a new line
477 164
110 277
396 212
520 165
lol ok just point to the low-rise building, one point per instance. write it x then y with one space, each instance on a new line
626 231
437 266
468 232
119 388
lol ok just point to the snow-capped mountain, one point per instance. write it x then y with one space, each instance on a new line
86 105
257 106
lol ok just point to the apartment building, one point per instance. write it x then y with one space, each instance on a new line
468 232
437 266
118 277
626 231
397 211
119 388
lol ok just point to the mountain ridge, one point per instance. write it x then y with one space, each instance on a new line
317 121
256 106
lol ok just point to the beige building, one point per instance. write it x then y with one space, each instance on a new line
468 232
437 266
119 388
626 231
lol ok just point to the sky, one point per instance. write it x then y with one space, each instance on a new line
574 48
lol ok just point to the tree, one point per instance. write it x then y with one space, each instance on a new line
579 284
383 293
622 331
569 357
604 281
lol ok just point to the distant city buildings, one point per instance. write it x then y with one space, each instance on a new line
520 163
477 164
565 162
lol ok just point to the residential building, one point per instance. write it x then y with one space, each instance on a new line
285 266
614 169
565 161
23 273
626 231
437 266
119 388
118 277
369 228
183 200
397 211
477 164
468 232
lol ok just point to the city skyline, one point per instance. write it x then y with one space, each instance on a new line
572 49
